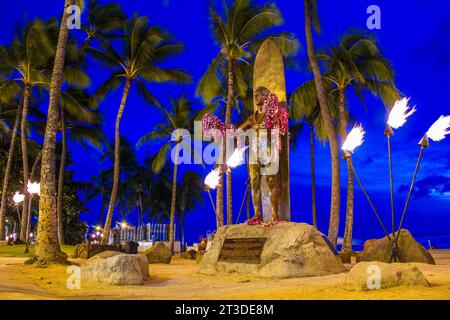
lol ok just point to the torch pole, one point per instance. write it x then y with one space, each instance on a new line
18 213
214 207
424 143
27 241
368 197
394 252
243 202
389 133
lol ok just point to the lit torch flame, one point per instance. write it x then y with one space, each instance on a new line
237 158
399 113
34 187
212 179
439 129
18 197
354 139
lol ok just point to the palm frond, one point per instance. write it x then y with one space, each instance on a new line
160 158
211 83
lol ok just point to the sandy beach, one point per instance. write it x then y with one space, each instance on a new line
179 280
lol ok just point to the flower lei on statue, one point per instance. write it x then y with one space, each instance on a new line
276 117
210 123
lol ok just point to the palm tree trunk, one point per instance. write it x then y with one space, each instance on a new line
313 175
47 243
230 91
230 100
173 202
62 167
333 228
140 209
26 170
7 176
220 221
348 234
183 243
112 199
35 165
100 218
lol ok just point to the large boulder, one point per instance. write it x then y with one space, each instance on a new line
374 275
130 247
115 268
158 253
410 250
290 250
190 254
88 250
103 255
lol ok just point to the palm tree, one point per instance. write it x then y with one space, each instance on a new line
310 17
304 105
47 243
177 120
103 20
238 28
7 175
101 186
140 184
27 60
10 113
80 121
144 49
190 193
159 200
357 62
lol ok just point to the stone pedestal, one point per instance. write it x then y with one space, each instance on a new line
282 251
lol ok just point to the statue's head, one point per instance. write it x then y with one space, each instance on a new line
261 95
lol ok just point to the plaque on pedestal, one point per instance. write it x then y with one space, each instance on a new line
242 250
281 251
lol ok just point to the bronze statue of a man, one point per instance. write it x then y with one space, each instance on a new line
268 116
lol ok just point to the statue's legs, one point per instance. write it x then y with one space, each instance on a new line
255 183
272 183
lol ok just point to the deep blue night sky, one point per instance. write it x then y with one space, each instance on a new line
414 36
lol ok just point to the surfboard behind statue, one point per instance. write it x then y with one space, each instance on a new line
268 71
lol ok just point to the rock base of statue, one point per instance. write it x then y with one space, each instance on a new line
409 249
282 251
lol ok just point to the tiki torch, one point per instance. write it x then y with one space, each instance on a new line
397 118
437 132
32 188
235 160
211 182
355 139
18 199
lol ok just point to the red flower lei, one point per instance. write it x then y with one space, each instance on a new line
276 117
211 122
